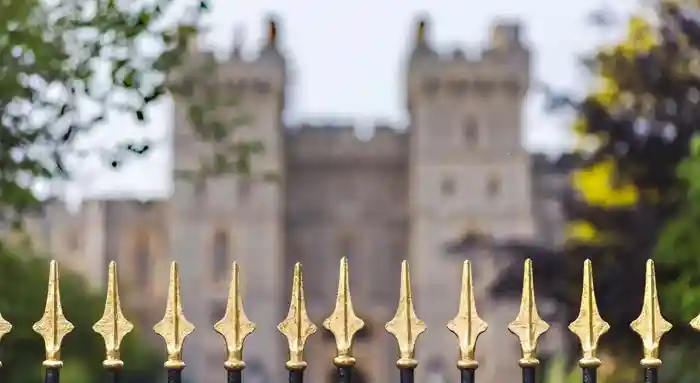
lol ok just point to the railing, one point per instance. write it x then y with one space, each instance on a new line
344 324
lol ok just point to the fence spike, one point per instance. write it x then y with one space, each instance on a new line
343 322
5 328
467 325
53 326
113 326
297 327
695 323
589 326
405 325
528 326
235 325
174 327
651 325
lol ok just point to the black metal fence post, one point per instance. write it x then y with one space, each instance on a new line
589 327
234 327
174 328
297 328
406 327
651 326
344 324
113 326
467 326
528 326
53 326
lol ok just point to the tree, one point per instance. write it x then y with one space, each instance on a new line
59 57
635 130
678 244
22 299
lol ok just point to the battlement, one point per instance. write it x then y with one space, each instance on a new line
343 143
503 63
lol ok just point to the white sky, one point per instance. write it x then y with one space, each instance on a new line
346 57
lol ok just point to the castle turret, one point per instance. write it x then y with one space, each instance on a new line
467 165
225 217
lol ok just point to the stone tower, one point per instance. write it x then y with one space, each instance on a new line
226 218
467 170
459 167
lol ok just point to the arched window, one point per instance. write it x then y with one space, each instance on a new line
220 262
493 185
142 262
471 131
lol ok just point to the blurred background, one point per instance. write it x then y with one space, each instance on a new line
146 132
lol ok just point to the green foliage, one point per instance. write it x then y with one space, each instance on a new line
634 190
558 371
22 298
59 56
679 243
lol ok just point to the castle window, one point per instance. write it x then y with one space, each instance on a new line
244 188
220 262
142 263
72 242
431 85
483 88
471 131
512 87
448 187
493 186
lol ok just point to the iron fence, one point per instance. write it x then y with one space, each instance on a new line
344 324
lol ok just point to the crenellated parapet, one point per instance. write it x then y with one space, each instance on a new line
321 144
260 74
501 68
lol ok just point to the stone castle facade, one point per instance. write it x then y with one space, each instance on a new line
402 194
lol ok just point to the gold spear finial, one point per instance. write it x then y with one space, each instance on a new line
113 326
405 325
5 328
589 326
343 322
174 327
528 326
467 325
235 325
650 325
695 323
53 326
297 327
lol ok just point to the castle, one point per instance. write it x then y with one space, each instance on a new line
402 194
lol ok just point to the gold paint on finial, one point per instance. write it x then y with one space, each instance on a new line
695 323
650 325
343 322
297 327
405 325
53 326
589 326
467 325
235 325
528 326
113 326
5 327
174 327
